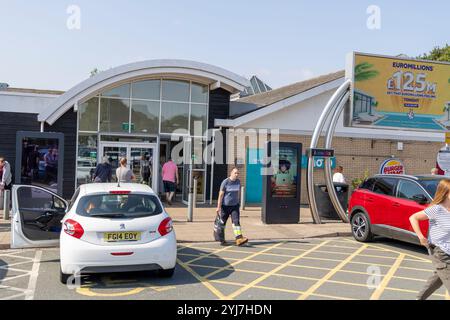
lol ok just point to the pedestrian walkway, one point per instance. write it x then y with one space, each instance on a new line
201 229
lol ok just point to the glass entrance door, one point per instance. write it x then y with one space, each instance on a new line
142 160
193 169
114 154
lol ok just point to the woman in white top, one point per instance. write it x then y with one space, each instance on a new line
438 240
124 174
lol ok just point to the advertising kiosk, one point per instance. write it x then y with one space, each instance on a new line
281 184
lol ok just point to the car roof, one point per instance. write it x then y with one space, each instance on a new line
415 177
91 188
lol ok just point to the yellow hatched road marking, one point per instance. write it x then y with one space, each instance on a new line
331 273
380 289
416 269
411 291
391 250
247 252
207 255
268 274
202 280
227 269
243 260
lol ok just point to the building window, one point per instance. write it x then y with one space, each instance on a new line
147 90
174 116
151 107
199 93
88 114
122 91
145 116
174 90
198 119
87 157
114 115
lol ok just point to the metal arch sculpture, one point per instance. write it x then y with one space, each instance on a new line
334 108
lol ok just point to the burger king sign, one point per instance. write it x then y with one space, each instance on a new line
392 166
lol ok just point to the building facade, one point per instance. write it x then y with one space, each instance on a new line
153 110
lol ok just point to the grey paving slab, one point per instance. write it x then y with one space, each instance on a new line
303 272
288 283
346 291
350 266
312 262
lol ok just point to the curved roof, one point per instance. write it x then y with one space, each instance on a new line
202 72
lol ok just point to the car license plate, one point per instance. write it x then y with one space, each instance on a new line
121 236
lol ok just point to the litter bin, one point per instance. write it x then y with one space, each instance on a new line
324 204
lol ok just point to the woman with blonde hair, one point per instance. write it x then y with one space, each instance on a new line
438 241
124 174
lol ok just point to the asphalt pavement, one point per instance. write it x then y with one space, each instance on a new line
306 269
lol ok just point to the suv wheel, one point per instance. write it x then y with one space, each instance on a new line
361 227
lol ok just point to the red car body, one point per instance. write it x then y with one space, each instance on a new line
383 204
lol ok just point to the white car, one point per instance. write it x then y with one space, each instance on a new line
105 228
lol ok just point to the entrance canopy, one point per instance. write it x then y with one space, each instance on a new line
207 74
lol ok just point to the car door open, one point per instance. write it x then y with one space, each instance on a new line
36 217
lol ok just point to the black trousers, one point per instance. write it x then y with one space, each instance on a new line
232 211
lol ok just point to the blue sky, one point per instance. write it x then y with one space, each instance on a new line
280 41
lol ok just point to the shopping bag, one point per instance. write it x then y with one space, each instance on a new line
219 230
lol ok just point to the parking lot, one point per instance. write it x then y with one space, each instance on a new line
311 269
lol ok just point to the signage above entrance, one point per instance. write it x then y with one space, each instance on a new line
319 152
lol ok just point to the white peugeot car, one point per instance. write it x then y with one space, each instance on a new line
104 228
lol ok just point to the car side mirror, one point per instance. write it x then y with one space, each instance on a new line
420 199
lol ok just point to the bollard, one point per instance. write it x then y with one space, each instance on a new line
194 205
190 207
6 204
242 198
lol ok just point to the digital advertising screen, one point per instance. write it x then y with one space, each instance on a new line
40 161
284 178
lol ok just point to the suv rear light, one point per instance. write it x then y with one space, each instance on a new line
73 228
165 227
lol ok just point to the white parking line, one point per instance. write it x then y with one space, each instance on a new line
34 275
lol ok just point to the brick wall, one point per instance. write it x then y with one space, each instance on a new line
359 155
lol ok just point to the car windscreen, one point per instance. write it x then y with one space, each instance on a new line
119 205
430 186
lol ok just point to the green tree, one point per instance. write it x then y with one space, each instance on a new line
437 54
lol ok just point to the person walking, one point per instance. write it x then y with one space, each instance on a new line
124 174
6 179
145 169
103 171
228 205
170 179
438 241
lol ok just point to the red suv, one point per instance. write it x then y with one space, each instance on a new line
383 204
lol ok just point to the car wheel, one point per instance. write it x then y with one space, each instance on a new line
63 277
361 227
166 273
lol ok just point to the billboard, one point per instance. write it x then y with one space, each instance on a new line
398 93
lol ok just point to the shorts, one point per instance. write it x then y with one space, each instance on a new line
169 186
